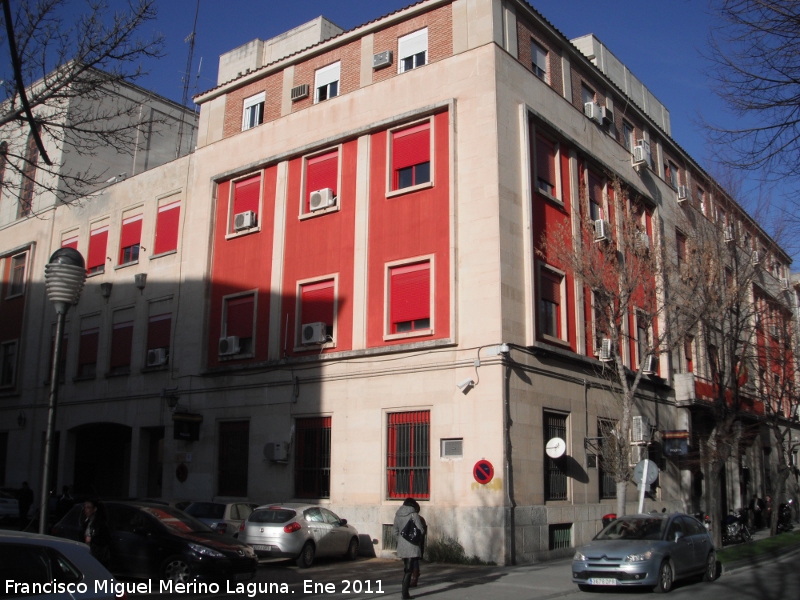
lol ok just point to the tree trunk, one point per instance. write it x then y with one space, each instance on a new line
714 496
622 492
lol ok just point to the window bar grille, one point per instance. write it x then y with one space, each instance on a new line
560 536
313 458
555 469
408 455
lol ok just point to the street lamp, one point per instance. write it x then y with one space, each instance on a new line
64 277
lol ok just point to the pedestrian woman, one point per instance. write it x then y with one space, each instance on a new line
96 532
408 551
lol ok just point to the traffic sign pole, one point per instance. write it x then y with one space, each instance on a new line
643 485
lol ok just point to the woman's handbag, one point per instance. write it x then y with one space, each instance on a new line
412 534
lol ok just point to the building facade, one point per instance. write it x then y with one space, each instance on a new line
338 296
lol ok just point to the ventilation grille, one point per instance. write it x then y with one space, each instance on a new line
389 541
560 536
299 92
452 448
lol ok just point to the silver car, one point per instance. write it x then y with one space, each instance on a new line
299 531
646 550
27 558
222 518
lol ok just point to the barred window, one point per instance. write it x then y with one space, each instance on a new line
555 470
408 455
608 487
234 444
312 464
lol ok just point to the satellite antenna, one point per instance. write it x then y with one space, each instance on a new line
187 79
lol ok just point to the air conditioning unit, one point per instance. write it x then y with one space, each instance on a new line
320 199
229 345
382 59
784 284
314 333
606 115
683 194
606 348
638 454
602 231
277 451
650 366
592 110
244 220
156 357
640 429
299 92
756 257
728 233
639 155
642 240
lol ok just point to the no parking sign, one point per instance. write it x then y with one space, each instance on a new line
483 472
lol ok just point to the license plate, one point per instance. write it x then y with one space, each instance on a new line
262 547
241 576
602 581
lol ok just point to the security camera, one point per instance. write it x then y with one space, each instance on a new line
465 386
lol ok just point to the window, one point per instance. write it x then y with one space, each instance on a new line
253 111
408 455
701 199
608 486
8 363
555 470
317 305
159 327
627 136
326 82
410 298
599 329
121 342
596 210
587 94
98 239
129 239
671 174
688 353
29 167
713 361
680 247
239 320
87 347
3 161
551 310
722 218
539 59
70 240
167 220
322 172
232 458
642 338
546 166
411 156
16 276
312 464
245 197
412 50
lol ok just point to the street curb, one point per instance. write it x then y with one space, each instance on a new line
745 564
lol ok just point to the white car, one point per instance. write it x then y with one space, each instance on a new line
66 566
9 507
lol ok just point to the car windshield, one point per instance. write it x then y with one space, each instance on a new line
272 515
206 510
176 520
633 529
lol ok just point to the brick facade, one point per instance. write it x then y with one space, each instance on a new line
234 105
526 33
350 57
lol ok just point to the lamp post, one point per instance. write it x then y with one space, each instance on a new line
64 277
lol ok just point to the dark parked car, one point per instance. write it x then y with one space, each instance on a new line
158 541
646 550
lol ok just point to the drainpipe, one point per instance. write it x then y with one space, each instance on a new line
510 550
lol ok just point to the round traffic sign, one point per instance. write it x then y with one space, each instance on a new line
483 472
652 471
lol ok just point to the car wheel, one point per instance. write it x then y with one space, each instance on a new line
665 578
352 550
710 574
306 556
176 569
584 587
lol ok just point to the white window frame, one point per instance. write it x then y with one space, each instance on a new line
11 292
337 206
298 324
628 136
14 343
563 306
585 88
229 232
387 299
604 200
539 63
390 193
324 77
247 109
409 46
223 332
557 147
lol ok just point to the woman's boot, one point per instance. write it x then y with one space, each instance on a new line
406 585
414 577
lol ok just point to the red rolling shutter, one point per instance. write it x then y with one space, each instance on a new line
70 243
158 331
411 146
121 340
322 172
97 248
167 228
87 353
551 288
595 188
546 160
410 292
131 232
246 194
240 316
317 303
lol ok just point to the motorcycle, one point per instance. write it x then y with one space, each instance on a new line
785 517
734 528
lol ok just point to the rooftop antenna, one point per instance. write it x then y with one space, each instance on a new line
187 79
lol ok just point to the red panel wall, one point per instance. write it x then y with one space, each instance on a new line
407 226
242 263
318 246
